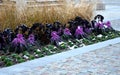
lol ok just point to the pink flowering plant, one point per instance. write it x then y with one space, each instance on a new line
66 34
55 38
31 39
18 44
79 32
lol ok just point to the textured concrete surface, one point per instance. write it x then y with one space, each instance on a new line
111 2
116 24
110 13
104 61
112 9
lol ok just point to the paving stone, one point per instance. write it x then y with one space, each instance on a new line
102 62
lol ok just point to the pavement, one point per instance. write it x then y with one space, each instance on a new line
99 59
111 13
103 61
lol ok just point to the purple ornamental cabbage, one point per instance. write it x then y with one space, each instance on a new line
55 36
67 31
100 25
2 43
108 24
19 40
59 31
0 46
87 30
79 31
31 39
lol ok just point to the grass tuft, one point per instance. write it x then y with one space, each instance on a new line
9 18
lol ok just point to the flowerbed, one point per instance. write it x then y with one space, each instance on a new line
24 43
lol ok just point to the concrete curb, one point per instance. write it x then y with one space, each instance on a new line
54 58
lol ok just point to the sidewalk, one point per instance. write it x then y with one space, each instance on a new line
104 61
110 13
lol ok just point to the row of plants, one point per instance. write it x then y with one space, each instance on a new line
27 43
14 58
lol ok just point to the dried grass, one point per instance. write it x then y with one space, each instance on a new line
10 18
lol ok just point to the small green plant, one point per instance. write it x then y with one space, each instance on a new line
75 47
46 51
8 61
70 44
50 47
37 51
86 41
21 60
31 57
63 46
